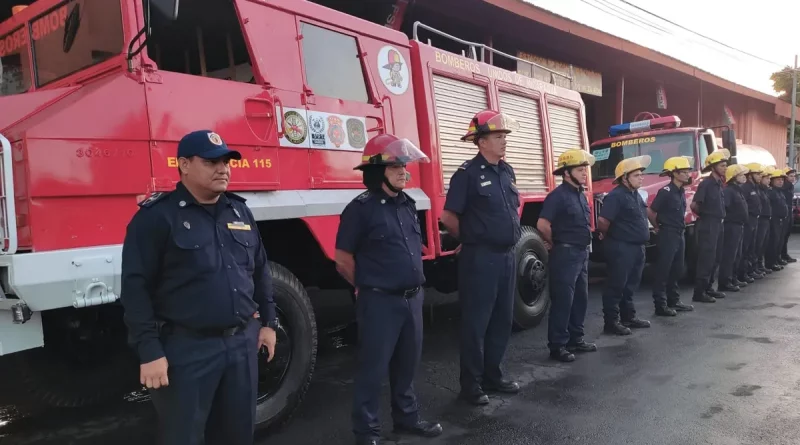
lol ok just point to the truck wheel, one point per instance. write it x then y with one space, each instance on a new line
532 296
283 382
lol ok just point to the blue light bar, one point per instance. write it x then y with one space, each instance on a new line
660 123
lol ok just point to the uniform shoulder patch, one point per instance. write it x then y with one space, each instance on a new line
465 164
364 197
236 197
153 198
666 187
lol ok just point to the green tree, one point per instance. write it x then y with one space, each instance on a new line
782 83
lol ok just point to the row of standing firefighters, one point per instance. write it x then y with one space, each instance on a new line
198 295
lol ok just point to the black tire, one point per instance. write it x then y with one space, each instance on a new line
289 373
532 295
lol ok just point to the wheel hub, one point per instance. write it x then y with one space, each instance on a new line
532 277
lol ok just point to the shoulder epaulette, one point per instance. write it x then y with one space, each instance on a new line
235 196
364 197
464 165
153 198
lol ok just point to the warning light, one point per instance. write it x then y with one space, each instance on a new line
658 123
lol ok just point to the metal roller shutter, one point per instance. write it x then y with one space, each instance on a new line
525 150
565 130
456 103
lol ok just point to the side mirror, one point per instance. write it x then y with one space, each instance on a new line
168 8
729 140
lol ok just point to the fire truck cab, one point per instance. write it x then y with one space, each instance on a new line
661 138
96 95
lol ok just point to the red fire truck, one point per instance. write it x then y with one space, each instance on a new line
661 138
96 95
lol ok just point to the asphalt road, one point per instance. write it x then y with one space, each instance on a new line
728 373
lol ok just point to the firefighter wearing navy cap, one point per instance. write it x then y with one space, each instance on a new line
780 211
379 252
197 294
667 214
709 204
788 193
747 271
762 236
482 211
736 216
564 225
623 228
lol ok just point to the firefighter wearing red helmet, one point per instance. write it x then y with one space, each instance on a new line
482 211
379 252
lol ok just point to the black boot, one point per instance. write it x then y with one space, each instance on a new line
746 279
562 355
680 307
421 428
615 328
789 259
703 298
727 287
474 398
367 441
636 323
716 294
738 283
665 311
581 346
503 386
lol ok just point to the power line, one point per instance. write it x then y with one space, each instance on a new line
782 65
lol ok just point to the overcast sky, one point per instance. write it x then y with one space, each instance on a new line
753 27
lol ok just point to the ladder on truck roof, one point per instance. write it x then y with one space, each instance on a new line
7 205
474 53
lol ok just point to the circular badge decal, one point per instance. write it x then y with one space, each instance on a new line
294 127
393 70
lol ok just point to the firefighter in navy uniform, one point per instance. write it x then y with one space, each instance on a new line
708 202
667 214
379 252
746 270
736 215
564 225
195 284
788 193
780 212
762 236
482 211
623 228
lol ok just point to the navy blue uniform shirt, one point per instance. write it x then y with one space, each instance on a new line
568 212
750 192
670 207
487 202
197 266
627 212
709 198
777 201
766 207
384 236
788 192
736 210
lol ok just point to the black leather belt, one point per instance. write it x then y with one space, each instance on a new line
172 328
405 293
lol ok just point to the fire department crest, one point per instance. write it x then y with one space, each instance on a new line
393 69
317 125
214 138
294 127
356 133
335 130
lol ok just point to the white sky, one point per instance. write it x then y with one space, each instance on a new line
763 28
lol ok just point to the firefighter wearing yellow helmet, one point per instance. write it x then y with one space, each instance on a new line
762 234
736 212
667 214
623 228
747 265
709 205
777 228
788 194
564 225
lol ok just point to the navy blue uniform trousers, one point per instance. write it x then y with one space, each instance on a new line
748 261
761 240
669 266
710 236
777 230
212 389
731 250
486 293
569 294
625 262
389 341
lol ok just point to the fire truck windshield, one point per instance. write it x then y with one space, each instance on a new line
74 35
15 67
659 147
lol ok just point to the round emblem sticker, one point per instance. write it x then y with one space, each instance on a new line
214 138
393 70
294 127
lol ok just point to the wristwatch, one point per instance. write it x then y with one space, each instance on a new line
274 324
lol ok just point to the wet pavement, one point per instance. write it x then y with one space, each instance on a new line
727 373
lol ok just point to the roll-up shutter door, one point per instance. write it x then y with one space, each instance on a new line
525 150
565 130
456 104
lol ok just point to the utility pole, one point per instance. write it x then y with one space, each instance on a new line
792 161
